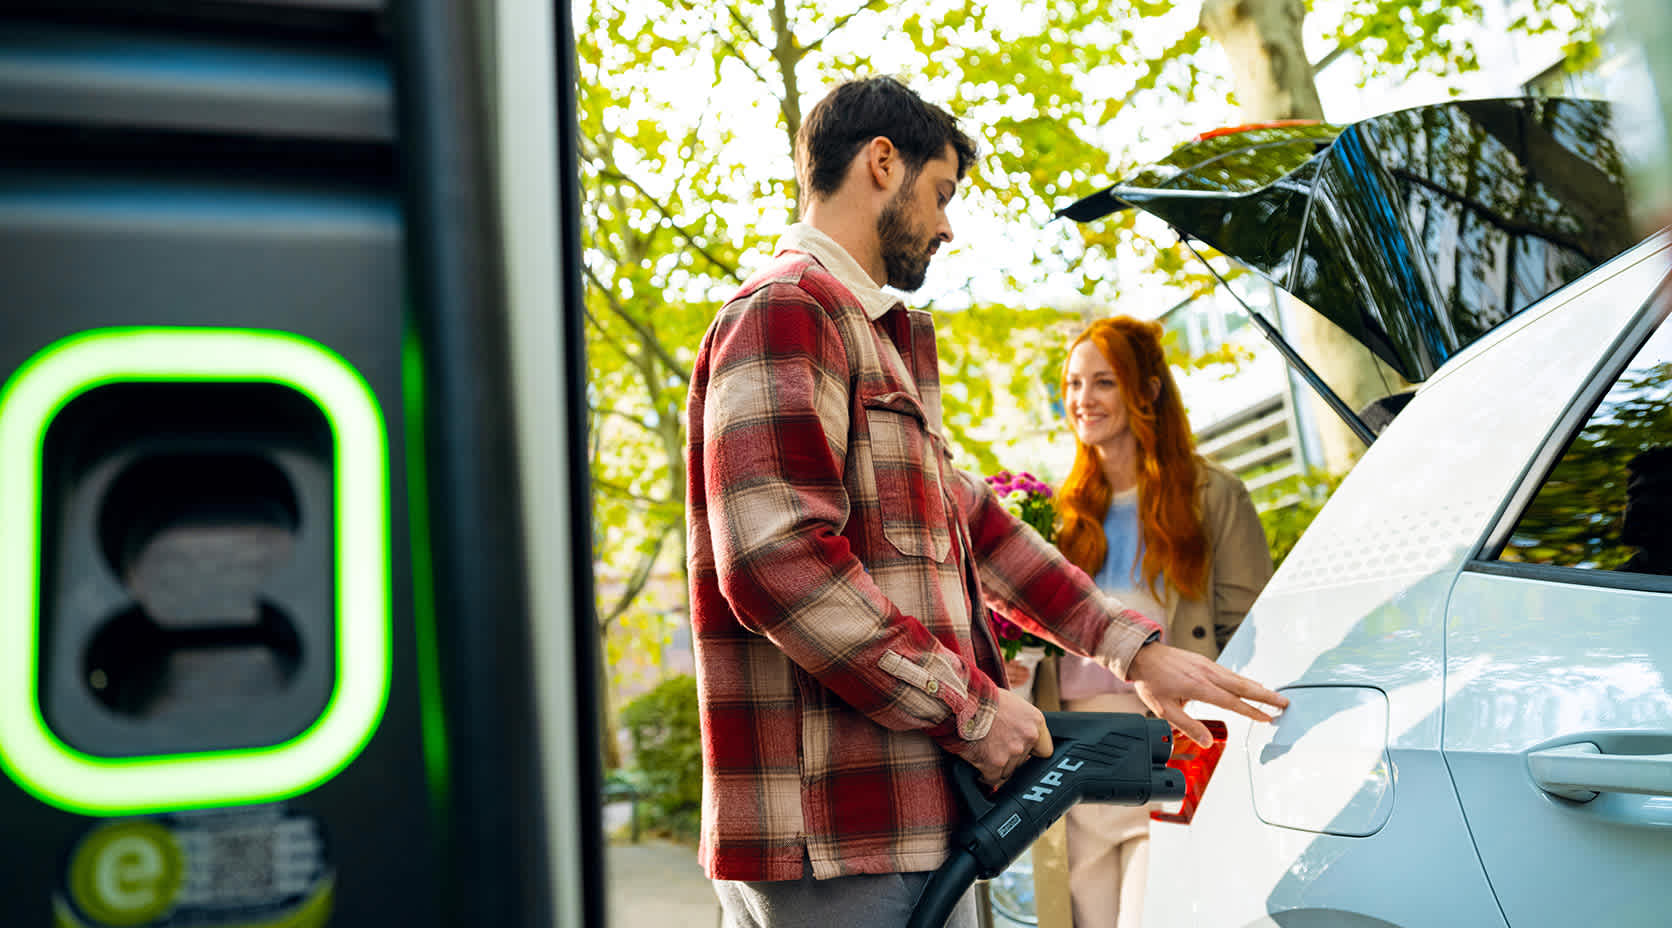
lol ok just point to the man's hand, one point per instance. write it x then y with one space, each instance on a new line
1166 678
1018 732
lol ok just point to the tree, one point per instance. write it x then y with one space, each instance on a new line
652 252
1264 40
660 256
689 111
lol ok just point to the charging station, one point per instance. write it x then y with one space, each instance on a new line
266 635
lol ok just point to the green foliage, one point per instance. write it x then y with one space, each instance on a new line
1289 505
1576 518
667 755
1401 38
1000 366
687 112
655 253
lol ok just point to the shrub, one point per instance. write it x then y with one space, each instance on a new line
1288 506
667 750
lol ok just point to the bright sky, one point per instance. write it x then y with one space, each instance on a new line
989 250
977 263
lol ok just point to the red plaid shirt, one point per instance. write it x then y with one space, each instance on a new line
836 560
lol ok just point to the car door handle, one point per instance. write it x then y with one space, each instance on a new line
1581 771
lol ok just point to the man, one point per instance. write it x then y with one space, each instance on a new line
839 562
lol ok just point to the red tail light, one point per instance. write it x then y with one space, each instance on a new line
1196 763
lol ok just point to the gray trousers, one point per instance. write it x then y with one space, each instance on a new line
881 901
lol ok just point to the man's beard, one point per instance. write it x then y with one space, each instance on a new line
905 251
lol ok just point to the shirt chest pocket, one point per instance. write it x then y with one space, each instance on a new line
911 501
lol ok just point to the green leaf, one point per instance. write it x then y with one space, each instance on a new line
687 173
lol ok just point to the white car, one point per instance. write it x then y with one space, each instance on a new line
1476 632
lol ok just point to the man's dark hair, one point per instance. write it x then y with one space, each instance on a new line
858 111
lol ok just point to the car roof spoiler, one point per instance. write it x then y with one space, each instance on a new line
1416 232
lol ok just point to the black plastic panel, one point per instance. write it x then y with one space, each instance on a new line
102 76
188 569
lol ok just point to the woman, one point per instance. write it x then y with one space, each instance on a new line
1164 530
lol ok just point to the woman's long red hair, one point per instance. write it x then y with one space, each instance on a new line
1168 520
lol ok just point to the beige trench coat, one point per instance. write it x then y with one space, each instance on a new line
1239 569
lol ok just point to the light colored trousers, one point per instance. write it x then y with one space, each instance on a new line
1108 846
880 901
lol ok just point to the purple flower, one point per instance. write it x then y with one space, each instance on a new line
1028 497
1012 637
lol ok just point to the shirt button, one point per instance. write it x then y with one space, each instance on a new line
969 729
1199 632
933 686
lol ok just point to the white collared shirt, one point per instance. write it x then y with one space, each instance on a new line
828 252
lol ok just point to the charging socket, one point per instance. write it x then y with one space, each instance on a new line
194 569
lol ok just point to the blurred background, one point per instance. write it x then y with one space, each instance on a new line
688 112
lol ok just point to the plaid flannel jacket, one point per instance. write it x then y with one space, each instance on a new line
837 566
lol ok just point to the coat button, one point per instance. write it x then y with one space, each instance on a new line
1199 632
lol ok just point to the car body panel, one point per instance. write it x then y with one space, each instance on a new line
1323 766
1361 601
1550 663
1552 658
1228 868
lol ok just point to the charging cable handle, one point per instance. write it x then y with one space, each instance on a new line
1110 757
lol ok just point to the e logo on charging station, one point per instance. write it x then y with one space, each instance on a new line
126 873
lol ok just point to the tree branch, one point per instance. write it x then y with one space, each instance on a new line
744 60
622 492
651 342
609 170
604 333
1347 45
640 422
743 23
637 581
595 443
726 268
837 26
1186 43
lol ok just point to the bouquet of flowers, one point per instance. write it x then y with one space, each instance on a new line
1027 498
1013 638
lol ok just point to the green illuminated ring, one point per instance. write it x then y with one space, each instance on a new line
62 776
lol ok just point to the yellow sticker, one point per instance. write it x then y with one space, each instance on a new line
257 867
126 873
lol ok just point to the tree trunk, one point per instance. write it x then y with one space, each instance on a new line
1273 81
787 55
607 729
1268 59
